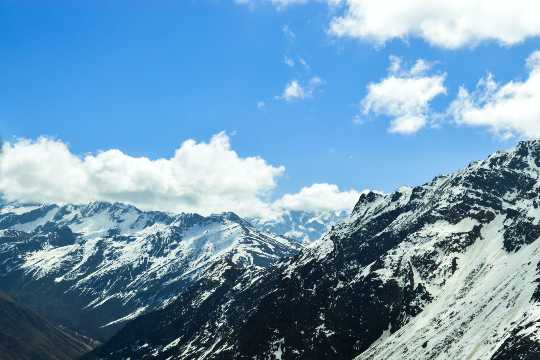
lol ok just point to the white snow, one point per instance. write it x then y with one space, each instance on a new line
127 267
30 226
18 209
128 317
473 312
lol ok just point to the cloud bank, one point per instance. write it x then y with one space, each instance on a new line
446 24
202 177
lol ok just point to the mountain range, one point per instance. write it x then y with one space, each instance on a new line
445 270
93 267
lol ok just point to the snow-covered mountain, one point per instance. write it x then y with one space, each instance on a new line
302 226
95 266
446 270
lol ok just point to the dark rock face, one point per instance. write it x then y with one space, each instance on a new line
410 275
519 230
25 335
520 346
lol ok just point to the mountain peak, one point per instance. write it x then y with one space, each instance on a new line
448 267
112 262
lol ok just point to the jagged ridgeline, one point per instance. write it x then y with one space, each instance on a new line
93 267
446 270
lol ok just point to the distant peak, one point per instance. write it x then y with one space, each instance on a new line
230 216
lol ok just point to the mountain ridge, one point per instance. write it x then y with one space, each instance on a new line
105 263
376 286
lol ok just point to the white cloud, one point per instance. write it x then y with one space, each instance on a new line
200 177
294 90
287 31
506 110
288 61
261 105
447 24
404 96
304 63
319 197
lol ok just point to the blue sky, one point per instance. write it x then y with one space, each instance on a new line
143 76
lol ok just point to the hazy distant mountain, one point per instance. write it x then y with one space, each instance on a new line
302 226
446 270
25 335
95 266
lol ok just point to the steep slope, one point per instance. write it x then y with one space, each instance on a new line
446 270
96 266
24 335
302 226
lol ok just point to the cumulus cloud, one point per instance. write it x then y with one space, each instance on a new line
319 197
447 24
294 90
200 177
506 110
404 95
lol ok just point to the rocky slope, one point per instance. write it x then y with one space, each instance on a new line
93 267
25 335
446 270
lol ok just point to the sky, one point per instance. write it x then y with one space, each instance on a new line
258 105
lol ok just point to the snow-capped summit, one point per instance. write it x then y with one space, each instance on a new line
106 263
445 270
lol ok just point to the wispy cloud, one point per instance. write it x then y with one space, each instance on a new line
288 61
281 4
287 31
294 90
